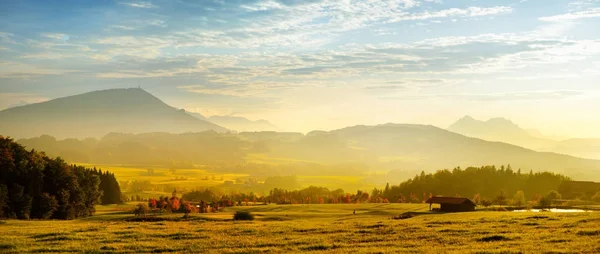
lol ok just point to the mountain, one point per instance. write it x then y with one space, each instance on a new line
198 115
502 130
401 148
407 146
242 124
97 113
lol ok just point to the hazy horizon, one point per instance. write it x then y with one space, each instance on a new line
318 65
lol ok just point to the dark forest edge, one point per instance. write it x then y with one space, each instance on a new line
34 186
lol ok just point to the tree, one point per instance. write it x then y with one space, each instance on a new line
33 185
545 202
188 208
3 200
501 198
152 203
47 206
550 198
174 204
20 202
553 195
477 199
519 199
596 197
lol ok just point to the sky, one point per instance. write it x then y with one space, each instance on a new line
317 64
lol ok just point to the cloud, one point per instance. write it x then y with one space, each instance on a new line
590 13
56 36
453 12
251 89
10 69
145 5
491 97
387 87
318 23
263 6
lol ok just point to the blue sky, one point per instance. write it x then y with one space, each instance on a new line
317 64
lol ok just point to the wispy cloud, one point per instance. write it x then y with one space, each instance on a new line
490 97
145 5
590 13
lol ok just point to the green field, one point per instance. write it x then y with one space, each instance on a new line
311 228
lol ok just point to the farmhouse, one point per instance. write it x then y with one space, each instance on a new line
450 204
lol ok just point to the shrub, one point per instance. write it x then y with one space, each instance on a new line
545 202
141 210
243 215
486 202
494 238
553 195
403 216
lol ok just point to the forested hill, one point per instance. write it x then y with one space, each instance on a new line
406 147
486 182
98 113
32 185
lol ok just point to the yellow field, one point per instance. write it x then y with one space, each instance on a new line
182 178
194 178
312 228
269 160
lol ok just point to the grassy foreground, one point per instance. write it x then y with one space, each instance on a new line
313 228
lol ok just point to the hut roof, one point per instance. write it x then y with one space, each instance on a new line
449 200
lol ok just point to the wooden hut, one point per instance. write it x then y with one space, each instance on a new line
450 204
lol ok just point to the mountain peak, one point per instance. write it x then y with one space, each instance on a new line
467 119
500 120
495 129
96 113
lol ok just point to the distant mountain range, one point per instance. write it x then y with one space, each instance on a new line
242 124
146 130
501 130
504 130
98 113
238 123
401 148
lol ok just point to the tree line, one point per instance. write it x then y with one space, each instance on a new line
487 182
483 184
34 186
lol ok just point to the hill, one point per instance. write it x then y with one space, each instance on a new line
98 113
586 148
407 146
502 130
242 124
401 148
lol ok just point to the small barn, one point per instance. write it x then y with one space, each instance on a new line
450 204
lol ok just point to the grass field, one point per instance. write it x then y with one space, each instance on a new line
311 228
199 178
